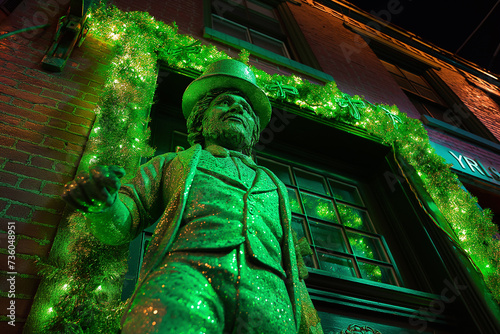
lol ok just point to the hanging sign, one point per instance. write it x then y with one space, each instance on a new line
467 165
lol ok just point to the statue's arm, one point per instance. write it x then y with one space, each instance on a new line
115 214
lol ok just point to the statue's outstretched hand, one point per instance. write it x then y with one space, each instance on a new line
94 191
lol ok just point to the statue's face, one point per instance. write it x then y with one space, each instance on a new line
229 122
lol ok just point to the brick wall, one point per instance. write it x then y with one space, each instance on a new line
45 120
348 59
479 101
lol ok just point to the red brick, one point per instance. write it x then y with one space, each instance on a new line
36 173
10 120
31 184
83 104
53 189
58 123
91 98
81 130
21 133
85 113
8 178
76 120
24 113
41 162
47 152
14 155
68 108
56 133
73 92
31 229
55 95
14 67
7 141
47 218
74 148
31 198
32 247
80 80
96 86
22 103
91 76
54 143
8 58
5 98
8 82
65 168
23 265
30 88
18 211
26 96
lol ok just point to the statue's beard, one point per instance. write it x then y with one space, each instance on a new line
232 140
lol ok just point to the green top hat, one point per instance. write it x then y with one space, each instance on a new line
231 74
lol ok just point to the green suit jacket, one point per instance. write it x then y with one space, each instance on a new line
159 192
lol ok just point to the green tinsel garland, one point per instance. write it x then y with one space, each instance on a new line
120 137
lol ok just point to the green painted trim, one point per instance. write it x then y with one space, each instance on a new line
435 123
265 54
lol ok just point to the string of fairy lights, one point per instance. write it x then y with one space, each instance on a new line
83 278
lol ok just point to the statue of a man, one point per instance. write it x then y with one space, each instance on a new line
222 258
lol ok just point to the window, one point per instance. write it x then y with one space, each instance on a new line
331 214
251 21
422 94
439 106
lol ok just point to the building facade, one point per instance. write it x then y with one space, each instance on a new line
389 148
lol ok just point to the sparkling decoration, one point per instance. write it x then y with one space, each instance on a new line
179 50
80 292
354 105
282 90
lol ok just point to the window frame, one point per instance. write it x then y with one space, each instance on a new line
296 42
307 220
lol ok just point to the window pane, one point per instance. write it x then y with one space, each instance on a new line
415 78
336 265
230 28
308 261
294 201
328 236
355 218
298 227
317 207
345 192
310 181
367 246
280 170
261 8
428 93
392 68
377 273
404 83
268 43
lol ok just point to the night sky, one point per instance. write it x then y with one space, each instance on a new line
447 24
